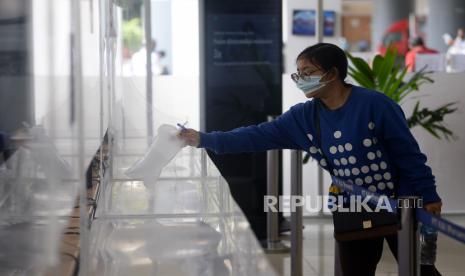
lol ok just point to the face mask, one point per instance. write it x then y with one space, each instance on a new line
310 85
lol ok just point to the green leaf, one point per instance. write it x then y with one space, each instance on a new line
377 64
391 91
363 68
361 79
389 78
386 67
432 120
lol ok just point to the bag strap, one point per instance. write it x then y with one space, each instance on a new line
317 124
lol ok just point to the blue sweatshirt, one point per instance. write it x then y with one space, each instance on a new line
367 142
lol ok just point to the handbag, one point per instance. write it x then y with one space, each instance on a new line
349 226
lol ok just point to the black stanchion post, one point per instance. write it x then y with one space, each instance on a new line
296 214
408 246
274 244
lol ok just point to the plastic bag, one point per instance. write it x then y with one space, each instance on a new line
163 149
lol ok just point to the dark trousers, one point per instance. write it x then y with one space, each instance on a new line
360 257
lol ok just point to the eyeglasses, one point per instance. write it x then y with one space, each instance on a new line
305 75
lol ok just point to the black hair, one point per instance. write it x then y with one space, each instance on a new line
417 41
326 56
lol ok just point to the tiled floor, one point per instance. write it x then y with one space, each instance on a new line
319 252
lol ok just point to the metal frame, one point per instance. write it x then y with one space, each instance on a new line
273 244
319 36
149 80
76 63
296 216
408 251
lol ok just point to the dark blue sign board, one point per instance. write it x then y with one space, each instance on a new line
242 71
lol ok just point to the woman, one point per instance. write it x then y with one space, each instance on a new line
363 133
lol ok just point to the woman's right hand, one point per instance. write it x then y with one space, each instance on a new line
190 136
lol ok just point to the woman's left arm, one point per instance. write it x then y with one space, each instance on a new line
414 175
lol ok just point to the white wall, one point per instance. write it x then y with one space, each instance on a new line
446 158
185 37
161 28
295 44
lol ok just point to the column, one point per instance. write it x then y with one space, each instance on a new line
444 16
387 12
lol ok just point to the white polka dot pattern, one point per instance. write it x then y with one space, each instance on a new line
367 143
352 160
361 162
343 161
347 172
387 176
348 146
381 185
371 156
365 169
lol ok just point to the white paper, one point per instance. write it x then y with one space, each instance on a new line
163 149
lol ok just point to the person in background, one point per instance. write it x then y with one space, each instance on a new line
457 45
162 67
459 40
455 51
2 147
363 45
5 147
417 47
139 60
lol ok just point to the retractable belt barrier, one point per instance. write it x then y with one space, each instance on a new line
409 216
449 228
408 235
